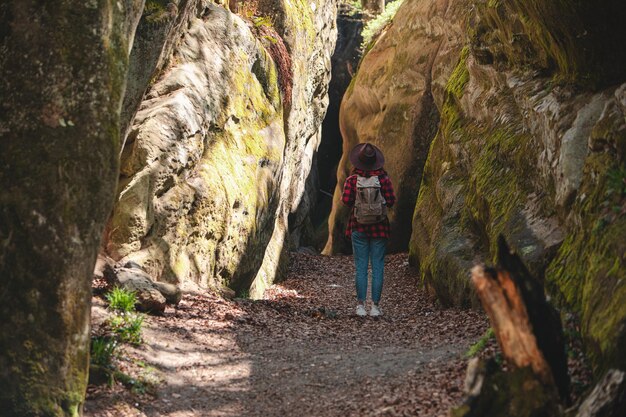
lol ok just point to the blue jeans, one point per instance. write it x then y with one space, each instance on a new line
364 249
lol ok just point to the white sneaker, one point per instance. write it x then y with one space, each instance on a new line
360 310
375 311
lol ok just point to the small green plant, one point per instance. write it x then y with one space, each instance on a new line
122 326
127 327
355 6
262 21
374 27
102 351
121 300
477 347
245 294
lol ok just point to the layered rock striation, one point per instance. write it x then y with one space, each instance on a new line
219 152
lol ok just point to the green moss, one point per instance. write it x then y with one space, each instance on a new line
248 146
478 347
58 401
536 33
155 11
497 190
589 271
514 393
488 192
298 20
460 76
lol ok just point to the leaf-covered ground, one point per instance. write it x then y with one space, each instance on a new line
300 352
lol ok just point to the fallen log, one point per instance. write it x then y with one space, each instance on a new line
527 328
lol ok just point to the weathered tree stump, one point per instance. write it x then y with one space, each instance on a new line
518 393
527 328
529 333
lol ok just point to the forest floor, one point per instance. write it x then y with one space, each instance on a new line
301 351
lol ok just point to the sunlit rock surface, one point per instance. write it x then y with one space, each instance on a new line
391 102
217 157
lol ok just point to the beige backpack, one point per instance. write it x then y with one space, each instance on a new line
370 206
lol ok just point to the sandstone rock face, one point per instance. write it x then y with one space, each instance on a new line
531 146
503 118
63 68
393 103
217 156
152 47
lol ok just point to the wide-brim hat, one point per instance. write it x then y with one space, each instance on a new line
367 157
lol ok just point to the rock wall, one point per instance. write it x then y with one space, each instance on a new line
531 146
218 155
154 41
391 102
63 68
503 118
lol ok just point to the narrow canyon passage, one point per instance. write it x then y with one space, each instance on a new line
302 351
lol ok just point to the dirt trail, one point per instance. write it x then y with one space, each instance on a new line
302 351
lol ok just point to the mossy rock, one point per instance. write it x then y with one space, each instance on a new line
573 41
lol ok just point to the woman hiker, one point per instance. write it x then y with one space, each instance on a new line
369 192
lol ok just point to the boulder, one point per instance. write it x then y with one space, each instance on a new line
152 296
104 264
152 48
149 298
171 292
503 118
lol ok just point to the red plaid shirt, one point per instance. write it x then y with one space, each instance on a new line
376 230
